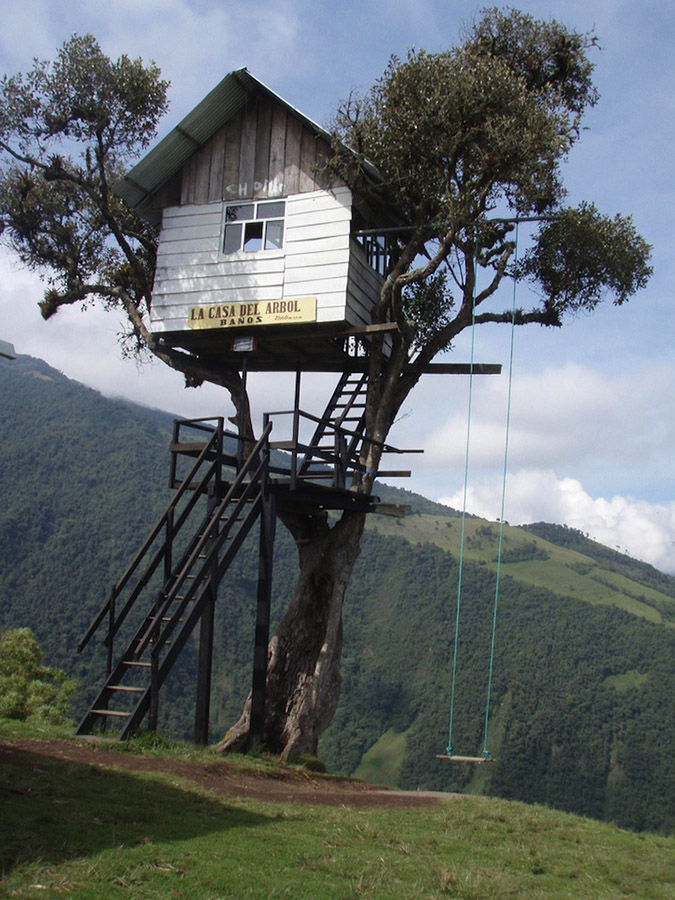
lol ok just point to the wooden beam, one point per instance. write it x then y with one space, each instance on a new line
467 759
459 369
391 509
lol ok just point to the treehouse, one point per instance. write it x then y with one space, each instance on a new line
265 260
260 246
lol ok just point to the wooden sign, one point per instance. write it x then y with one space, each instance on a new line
249 315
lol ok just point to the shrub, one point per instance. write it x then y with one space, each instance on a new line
27 688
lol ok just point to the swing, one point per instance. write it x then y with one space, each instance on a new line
466 759
486 756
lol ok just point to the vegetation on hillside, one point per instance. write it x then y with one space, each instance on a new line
584 691
29 689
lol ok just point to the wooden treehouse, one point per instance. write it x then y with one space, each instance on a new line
267 263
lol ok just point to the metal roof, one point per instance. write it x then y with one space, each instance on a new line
172 152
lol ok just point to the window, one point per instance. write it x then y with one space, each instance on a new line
254 226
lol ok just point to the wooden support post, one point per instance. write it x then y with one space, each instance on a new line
205 662
203 705
242 452
153 710
262 625
296 431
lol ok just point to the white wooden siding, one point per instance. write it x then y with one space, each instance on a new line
363 288
316 241
315 262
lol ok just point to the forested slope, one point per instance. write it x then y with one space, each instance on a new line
583 711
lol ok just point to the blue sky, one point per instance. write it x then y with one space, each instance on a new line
593 417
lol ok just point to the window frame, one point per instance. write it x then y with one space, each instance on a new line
252 223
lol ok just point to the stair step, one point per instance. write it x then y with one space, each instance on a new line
110 712
125 687
133 662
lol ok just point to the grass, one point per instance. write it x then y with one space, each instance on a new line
382 763
83 832
626 681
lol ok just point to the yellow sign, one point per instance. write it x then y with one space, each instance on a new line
261 312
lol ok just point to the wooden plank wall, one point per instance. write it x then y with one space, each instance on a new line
317 250
315 262
263 151
192 271
363 287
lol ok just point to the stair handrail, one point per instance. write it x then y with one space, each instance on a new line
253 459
118 587
387 448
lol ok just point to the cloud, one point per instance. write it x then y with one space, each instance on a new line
644 530
195 42
570 418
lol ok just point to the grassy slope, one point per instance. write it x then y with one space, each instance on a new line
382 763
566 572
87 833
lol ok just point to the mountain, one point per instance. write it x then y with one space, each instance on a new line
582 712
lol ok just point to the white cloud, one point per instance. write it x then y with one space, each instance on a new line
570 418
645 530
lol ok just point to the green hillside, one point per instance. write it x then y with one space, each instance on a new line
528 557
90 831
583 708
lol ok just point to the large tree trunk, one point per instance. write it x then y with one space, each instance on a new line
303 682
303 679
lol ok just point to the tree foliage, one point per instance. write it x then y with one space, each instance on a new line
68 130
28 688
469 140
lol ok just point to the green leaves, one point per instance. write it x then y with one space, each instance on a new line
67 132
470 140
427 308
581 255
551 61
83 96
456 132
27 688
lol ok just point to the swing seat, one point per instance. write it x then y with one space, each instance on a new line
466 759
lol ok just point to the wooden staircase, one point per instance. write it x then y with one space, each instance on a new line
171 584
168 616
338 433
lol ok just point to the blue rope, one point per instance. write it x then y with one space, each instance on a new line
486 752
461 541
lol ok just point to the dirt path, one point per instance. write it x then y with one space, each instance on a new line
222 778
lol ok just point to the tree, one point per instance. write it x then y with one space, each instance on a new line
27 688
68 132
466 141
